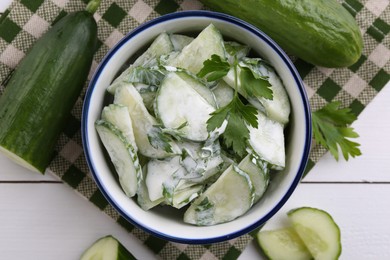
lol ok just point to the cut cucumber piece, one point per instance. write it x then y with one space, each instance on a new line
118 115
163 176
107 248
143 198
179 41
318 231
161 45
228 198
175 103
223 93
142 122
277 108
122 155
259 178
235 50
267 141
207 43
181 198
199 87
283 244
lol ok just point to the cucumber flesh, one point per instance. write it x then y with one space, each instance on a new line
107 248
267 141
259 178
143 198
223 93
118 115
122 154
207 43
283 244
174 106
179 41
228 198
142 121
318 231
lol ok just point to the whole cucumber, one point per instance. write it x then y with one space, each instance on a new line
44 88
321 32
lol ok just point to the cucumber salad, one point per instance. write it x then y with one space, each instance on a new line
196 123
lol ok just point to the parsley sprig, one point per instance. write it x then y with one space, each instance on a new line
236 113
331 130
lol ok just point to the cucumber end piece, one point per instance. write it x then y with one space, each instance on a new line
19 160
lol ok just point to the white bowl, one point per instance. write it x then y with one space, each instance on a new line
166 222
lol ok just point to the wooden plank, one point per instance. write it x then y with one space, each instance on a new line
50 221
361 210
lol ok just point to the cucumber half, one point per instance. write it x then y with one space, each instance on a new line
282 244
107 248
318 231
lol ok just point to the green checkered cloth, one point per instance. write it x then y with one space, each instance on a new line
26 20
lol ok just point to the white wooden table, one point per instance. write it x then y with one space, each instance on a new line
41 218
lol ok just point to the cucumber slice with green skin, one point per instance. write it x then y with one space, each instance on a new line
283 244
267 141
223 93
107 248
199 87
175 103
228 198
118 115
318 231
207 43
183 197
161 45
142 122
179 41
277 108
143 198
163 176
122 155
259 178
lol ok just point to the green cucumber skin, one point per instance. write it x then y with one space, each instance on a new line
44 88
321 32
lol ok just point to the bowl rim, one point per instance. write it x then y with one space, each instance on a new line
278 50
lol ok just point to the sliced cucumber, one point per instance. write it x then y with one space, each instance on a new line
228 198
318 231
107 248
143 198
267 141
201 161
199 87
223 93
175 103
283 244
207 43
236 50
148 94
142 122
278 109
162 176
259 178
118 115
161 45
122 154
179 41
182 197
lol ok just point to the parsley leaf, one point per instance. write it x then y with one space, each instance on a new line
255 85
214 68
238 116
331 130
